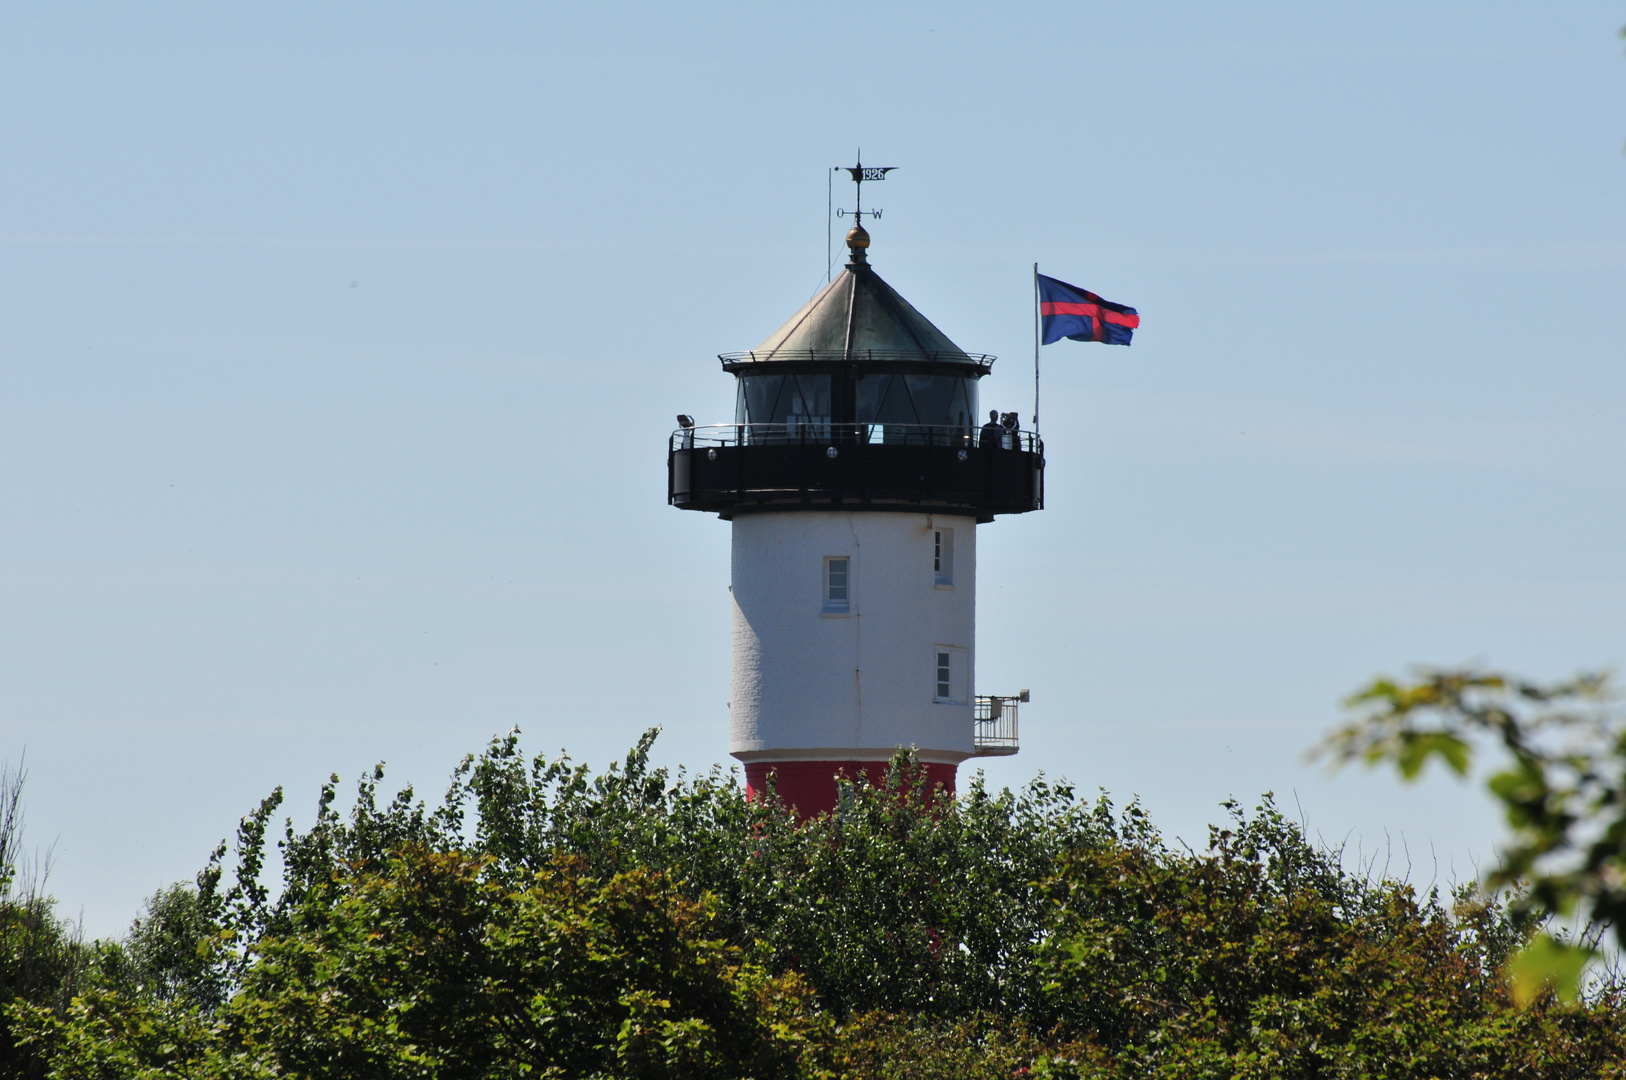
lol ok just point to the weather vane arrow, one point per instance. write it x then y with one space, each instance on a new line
860 173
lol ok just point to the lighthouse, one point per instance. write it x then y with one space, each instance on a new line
855 476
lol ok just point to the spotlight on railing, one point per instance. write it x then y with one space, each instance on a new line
685 421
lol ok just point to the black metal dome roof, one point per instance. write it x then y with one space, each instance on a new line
858 316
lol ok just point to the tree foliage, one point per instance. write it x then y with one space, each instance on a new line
43 962
1562 788
1261 957
916 902
545 920
425 967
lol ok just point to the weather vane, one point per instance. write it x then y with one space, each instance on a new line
861 172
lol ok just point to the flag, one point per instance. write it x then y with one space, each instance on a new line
1068 311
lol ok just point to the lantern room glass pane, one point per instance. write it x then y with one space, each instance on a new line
810 401
757 397
805 404
964 403
884 399
783 399
941 401
931 394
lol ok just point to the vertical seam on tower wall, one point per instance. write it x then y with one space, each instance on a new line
858 640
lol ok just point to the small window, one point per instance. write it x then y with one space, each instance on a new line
837 583
943 556
952 670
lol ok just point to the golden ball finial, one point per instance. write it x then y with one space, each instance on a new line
857 241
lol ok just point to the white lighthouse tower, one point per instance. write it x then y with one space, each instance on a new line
855 475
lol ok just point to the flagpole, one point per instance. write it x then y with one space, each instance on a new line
1035 350
829 217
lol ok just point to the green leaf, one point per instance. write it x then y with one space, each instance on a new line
1417 747
1546 962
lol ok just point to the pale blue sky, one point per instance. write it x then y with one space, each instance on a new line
338 350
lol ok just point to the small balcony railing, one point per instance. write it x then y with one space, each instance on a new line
994 732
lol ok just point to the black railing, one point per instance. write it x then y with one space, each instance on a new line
814 432
733 467
733 360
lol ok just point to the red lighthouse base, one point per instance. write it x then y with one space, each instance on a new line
810 786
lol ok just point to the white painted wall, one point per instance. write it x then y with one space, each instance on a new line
810 685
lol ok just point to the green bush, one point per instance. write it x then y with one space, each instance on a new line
546 921
43 962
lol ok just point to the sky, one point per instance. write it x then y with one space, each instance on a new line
339 348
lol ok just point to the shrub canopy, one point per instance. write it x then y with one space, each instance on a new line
543 920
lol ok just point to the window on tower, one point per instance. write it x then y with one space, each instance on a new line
952 667
837 584
943 557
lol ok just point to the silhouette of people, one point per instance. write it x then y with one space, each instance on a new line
992 433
